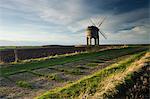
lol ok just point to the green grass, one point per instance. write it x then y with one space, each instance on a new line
17 47
7 47
89 84
92 64
15 68
97 61
74 71
55 77
24 84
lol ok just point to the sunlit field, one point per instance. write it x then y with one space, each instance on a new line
77 75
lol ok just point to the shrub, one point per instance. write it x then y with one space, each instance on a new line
23 84
55 77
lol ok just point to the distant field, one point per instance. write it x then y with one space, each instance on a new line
26 47
7 47
14 47
22 47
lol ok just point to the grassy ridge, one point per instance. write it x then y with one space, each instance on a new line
136 83
89 84
113 83
21 67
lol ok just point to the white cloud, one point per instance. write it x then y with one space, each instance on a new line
136 34
54 21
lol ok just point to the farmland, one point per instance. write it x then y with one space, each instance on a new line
81 75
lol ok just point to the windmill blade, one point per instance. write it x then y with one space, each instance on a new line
103 34
102 22
99 20
92 22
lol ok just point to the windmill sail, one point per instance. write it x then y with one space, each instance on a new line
92 22
103 34
101 22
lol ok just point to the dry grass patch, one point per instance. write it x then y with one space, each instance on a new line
108 86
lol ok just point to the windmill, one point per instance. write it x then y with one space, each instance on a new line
93 32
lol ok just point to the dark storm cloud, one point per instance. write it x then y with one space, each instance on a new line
115 6
127 11
130 5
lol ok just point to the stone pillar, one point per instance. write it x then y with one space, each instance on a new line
98 41
0 56
16 55
90 41
95 41
87 40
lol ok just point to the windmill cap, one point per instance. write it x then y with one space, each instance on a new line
92 28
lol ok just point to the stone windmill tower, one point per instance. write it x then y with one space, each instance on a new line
93 32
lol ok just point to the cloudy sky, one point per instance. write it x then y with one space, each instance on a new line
63 22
